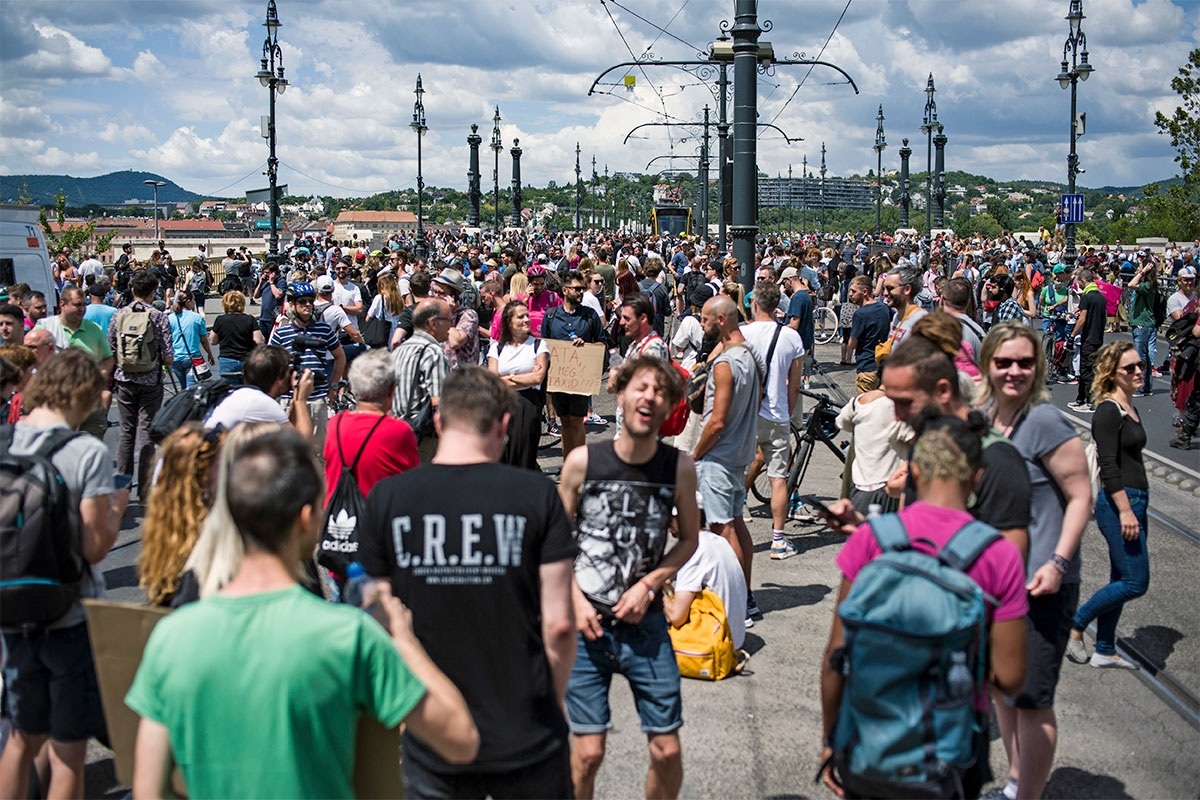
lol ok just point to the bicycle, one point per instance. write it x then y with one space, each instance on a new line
825 325
820 426
340 398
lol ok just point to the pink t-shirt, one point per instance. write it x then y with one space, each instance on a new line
539 304
999 571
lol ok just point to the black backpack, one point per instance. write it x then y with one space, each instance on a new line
691 281
339 534
188 405
41 546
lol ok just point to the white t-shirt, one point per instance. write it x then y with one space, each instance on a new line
346 295
881 442
336 317
516 359
246 404
758 335
92 267
714 566
687 341
1177 302
591 301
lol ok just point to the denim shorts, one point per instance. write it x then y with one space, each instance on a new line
643 654
722 489
50 684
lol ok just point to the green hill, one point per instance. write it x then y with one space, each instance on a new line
115 187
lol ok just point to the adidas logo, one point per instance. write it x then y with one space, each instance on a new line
340 528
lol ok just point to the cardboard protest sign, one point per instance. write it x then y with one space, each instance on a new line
119 632
574 370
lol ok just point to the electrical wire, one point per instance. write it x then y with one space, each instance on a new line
661 31
818 58
633 57
217 193
326 183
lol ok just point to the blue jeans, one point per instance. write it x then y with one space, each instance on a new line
225 366
1144 341
184 374
1130 569
643 654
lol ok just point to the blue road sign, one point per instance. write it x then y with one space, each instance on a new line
1072 208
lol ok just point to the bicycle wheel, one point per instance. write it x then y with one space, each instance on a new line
798 467
760 487
825 325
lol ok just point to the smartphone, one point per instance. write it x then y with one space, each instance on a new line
824 509
122 481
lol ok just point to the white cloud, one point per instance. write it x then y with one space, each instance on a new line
175 91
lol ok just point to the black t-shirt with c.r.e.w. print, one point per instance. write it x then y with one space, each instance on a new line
463 545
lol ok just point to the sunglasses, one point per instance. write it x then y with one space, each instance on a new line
1129 369
1023 363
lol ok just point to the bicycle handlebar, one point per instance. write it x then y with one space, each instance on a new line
820 398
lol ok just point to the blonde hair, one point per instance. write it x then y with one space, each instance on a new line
178 505
998 335
1108 360
234 302
393 303
519 284
217 553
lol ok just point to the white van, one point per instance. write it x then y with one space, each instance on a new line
23 255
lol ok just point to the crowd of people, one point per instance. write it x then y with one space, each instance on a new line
382 429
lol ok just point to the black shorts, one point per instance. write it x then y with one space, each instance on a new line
569 405
1049 625
50 684
550 777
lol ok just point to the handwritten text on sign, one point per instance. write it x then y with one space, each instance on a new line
574 370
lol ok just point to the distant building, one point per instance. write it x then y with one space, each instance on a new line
839 193
383 223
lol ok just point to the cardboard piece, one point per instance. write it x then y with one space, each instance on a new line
574 370
119 632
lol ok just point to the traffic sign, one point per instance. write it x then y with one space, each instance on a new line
1072 208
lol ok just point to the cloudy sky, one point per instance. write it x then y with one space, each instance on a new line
92 86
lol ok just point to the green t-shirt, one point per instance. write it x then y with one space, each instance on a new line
88 337
1142 313
261 694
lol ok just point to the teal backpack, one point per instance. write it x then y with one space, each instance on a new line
915 657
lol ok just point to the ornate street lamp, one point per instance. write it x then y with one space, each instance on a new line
880 144
929 127
497 146
1072 72
578 190
419 127
270 75
473 142
516 183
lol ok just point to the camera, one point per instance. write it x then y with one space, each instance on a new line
301 345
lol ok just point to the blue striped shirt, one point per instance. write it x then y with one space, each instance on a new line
312 358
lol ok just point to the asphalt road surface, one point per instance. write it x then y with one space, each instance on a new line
758 735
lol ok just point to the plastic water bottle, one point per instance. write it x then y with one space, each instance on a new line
874 510
958 679
358 584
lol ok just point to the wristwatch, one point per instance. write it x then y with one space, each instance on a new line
1061 564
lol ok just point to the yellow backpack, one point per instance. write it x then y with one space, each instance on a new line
704 645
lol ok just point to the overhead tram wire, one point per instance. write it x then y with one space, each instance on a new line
364 192
661 30
259 167
818 58
641 68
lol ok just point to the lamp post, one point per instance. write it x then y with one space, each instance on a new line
929 126
419 126
578 190
155 184
592 192
497 145
516 182
905 197
607 201
822 188
270 75
880 144
804 199
1068 77
789 202
744 229
474 140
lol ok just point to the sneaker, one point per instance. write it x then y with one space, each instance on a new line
595 419
554 430
1082 408
1146 393
782 549
1156 373
752 606
1077 651
1181 442
1072 381
1110 662
749 622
